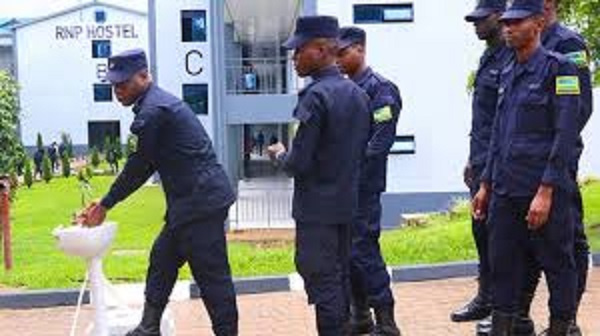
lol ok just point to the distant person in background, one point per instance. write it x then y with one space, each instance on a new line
250 79
260 142
273 140
38 157
53 155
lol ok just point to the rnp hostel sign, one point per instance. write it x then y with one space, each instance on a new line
90 32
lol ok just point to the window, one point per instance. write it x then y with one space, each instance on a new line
100 16
101 49
404 144
196 96
102 93
384 13
193 26
98 131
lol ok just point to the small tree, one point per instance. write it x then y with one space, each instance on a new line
14 181
65 163
95 157
70 149
10 146
28 177
89 173
40 142
107 145
46 169
67 144
118 149
131 145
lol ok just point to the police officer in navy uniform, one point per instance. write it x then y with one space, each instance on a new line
485 19
172 142
368 274
556 37
527 173
324 160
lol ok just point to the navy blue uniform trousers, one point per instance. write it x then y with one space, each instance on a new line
581 250
512 244
368 274
201 243
323 259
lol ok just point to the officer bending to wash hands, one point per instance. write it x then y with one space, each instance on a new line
172 142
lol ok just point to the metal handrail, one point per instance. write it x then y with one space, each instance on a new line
260 75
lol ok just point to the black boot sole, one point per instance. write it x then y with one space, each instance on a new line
471 316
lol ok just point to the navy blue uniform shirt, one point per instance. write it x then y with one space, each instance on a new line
485 99
564 41
385 105
172 141
325 155
536 125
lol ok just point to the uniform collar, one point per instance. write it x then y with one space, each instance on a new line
533 60
137 106
491 53
363 76
328 71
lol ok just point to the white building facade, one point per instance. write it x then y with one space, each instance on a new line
424 46
61 63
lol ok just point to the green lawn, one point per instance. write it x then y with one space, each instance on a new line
39 264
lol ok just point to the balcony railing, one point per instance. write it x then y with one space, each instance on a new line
260 76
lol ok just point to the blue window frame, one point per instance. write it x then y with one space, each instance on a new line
101 49
196 96
103 93
100 16
193 26
386 13
404 144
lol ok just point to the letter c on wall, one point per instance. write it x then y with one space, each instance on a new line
193 64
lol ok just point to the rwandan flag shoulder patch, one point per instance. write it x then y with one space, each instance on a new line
383 114
567 85
580 58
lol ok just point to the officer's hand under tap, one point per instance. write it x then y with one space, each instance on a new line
276 150
93 215
539 210
480 202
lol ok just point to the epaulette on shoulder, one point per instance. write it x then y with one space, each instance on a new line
558 56
567 34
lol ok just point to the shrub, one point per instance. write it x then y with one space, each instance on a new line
65 163
28 177
95 157
46 169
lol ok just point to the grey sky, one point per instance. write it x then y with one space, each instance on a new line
36 8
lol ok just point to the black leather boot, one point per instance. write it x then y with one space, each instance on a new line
502 324
523 326
361 319
150 325
574 330
478 308
559 327
385 323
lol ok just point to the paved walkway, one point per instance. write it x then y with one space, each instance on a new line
422 310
